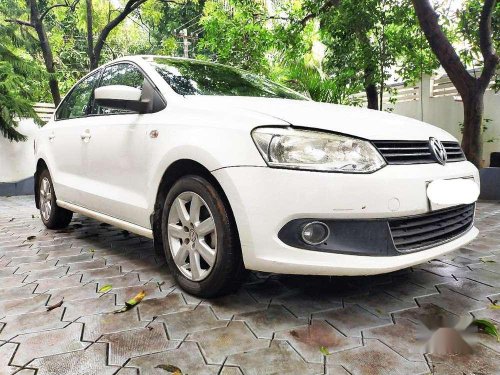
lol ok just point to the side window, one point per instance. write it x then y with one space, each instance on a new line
119 74
76 104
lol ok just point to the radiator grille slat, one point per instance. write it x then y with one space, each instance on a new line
418 232
415 152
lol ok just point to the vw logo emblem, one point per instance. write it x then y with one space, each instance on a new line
438 151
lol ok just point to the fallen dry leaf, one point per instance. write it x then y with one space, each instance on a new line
171 369
31 238
105 288
55 306
132 302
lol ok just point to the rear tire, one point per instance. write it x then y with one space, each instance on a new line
53 216
200 239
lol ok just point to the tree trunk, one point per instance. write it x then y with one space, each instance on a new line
372 96
90 37
472 140
48 58
370 88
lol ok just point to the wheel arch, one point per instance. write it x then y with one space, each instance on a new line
40 166
172 174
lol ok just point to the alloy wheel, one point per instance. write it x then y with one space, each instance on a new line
192 236
45 198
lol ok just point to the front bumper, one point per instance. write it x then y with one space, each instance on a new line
265 199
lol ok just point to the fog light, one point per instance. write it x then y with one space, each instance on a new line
315 233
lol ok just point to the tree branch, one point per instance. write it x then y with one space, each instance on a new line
129 8
326 6
20 22
66 4
442 47
490 58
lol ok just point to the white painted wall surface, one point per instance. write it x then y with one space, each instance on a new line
447 112
17 159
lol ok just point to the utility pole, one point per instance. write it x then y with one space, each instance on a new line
185 42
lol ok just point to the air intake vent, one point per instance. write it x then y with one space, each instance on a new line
417 232
415 152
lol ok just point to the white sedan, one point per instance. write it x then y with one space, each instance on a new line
227 171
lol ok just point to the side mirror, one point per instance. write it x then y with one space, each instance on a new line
121 97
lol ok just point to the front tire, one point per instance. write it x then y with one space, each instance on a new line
200 240
53 216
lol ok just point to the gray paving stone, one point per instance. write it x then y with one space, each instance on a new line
405 337
308 340
381 303
218 343
7 271
12 281
455 303
226 370
181 324
91 361
471 289
279 358
48 343
47 273
407 291
6 352
58 283
25 268
119 281
98 273
303 304
352 319
137 342
267 290
97 325
90 306
31 322
241 302
73 293
87 265
375 358
276 318
125 260
482 361
68 260
429 315
24 305
172 303
482 276
187 358
24 291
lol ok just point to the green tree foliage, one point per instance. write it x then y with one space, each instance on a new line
16 97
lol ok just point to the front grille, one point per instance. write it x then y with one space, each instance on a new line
415 152
418 232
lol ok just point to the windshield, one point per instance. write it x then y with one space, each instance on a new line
189 77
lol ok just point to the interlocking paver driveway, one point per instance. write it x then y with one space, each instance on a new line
273 325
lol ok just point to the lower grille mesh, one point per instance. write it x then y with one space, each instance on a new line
417 232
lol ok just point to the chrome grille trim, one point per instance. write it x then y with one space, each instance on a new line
415 152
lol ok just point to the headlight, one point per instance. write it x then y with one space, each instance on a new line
314 150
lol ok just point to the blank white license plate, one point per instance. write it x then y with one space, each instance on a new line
453 192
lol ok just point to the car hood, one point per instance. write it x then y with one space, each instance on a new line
359 122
